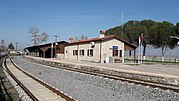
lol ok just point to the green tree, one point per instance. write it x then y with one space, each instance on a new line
115 31
123 32
147 34
161 33
177 29
11 46
155 33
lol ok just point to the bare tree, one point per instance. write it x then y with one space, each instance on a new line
44 37
34 31
38 38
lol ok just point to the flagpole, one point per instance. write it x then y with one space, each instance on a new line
142 40
139 51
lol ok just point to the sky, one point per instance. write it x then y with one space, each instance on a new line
72 18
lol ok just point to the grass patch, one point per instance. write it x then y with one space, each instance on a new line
154 61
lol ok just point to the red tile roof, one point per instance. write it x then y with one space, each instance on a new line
100 39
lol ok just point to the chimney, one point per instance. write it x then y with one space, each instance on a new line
102 34
72 40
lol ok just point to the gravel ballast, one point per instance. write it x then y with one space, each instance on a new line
86 87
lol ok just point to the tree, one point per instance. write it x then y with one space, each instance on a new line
44 37
177 28
83 37
34 32
37 39
130 31
161 33
117 31
11 46
147 34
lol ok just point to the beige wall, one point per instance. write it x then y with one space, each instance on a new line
106 50
85 46
96 52
69 52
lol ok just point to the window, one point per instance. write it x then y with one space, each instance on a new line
115 52
75 52
90 52
82 52
120 54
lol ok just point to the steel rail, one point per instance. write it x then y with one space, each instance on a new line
44 84
19 83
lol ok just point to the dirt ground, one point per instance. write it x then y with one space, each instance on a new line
7 90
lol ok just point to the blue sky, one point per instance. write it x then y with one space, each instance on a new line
71 18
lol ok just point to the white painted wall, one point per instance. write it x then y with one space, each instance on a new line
85 46
105 50
96 52
69 52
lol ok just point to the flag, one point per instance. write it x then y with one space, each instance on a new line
141 39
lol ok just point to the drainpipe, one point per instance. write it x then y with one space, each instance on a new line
77 50
100 51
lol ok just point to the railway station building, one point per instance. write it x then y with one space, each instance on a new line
105 49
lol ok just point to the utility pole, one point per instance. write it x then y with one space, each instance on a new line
16 45
55 36
2 41
122 18
2 44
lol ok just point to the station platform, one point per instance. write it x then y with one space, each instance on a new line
158 72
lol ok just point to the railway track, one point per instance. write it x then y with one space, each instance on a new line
35 89
163 86
79 85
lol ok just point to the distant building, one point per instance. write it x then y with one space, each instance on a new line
103 49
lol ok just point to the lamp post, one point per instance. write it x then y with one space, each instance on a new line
56 36
52 50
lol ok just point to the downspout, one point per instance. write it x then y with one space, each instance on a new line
77 50
100 51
